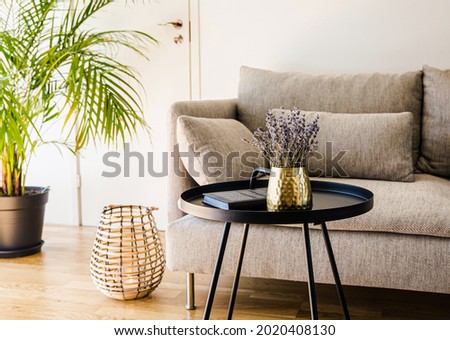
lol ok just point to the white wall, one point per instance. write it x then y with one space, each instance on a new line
318 36
56 168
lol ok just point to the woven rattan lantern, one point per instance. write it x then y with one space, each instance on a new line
127 260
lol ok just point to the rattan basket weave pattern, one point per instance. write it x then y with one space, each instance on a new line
127 260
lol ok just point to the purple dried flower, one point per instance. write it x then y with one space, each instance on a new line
287 139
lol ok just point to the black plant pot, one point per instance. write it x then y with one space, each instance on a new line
21 223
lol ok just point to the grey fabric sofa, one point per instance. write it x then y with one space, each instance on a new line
403 243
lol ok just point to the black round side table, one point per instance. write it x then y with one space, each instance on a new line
331 201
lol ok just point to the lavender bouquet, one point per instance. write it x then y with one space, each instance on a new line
287 139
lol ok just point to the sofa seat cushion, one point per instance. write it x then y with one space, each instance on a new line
414 208
420 207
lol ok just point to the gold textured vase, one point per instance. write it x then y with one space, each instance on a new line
289 189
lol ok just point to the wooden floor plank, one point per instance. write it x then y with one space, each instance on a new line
56 284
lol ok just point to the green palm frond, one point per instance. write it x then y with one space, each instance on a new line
53 67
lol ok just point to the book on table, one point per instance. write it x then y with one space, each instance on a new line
251 199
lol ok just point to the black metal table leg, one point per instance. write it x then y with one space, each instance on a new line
311 285
238 272
215 278
337 280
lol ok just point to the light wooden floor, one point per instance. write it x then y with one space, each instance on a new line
55 284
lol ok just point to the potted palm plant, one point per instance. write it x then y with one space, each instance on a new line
53 67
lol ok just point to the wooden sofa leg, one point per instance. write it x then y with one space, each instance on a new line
190 291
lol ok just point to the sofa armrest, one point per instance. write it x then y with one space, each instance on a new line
179 179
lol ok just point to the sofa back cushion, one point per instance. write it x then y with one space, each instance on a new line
435 147
261 90
213 149
364 146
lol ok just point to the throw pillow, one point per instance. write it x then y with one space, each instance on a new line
435 148
213 150
365 145
261 90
